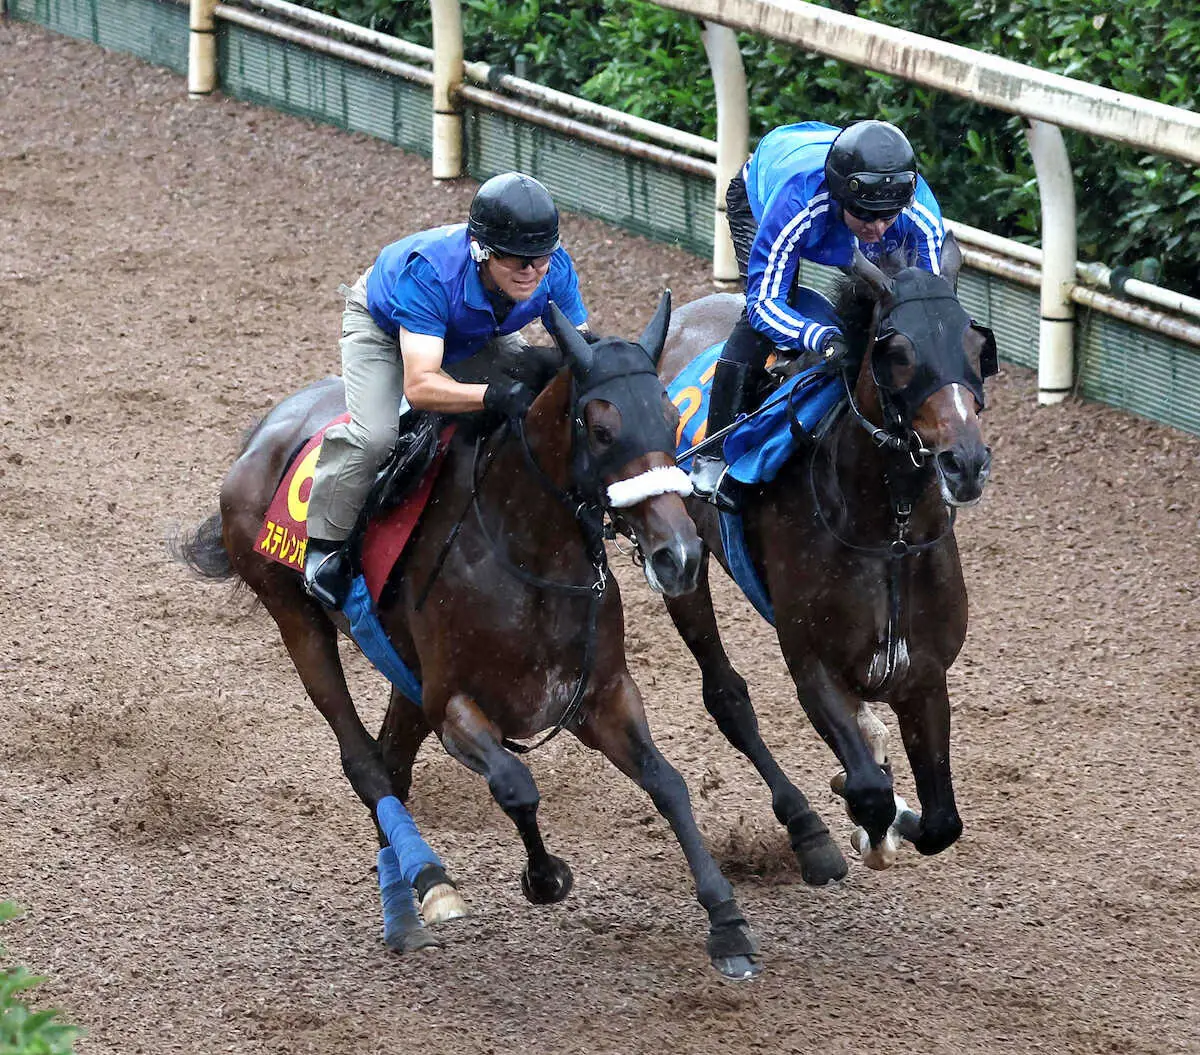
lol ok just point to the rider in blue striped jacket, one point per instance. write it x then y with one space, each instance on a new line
815 192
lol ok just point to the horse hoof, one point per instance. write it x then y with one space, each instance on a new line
737 968
550 885
822 862
881 857
443 903
412 939
731 946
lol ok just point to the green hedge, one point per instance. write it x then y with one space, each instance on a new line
1138 210
22 1031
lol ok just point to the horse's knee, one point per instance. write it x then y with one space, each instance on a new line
662 781
512 785
871 802
728 701
938 831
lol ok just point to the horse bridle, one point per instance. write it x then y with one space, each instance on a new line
898 437
597 518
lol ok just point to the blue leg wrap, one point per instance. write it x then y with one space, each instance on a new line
411 852
396 894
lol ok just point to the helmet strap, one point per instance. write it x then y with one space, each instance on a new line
479 253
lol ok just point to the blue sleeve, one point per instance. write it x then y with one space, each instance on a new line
924 229
416 300
562 284
790 224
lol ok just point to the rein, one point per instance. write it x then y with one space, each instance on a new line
900 496
592 532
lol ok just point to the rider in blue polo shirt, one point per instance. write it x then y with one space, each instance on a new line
429 302
815 192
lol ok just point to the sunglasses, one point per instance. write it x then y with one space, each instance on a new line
520 263
872 217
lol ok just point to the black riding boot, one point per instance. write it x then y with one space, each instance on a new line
710 473
327 572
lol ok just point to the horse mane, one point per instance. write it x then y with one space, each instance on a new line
854 299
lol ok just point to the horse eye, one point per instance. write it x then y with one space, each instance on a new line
896 362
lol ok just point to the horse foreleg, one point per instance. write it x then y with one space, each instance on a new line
311 641
833 712
471 737
403 731
616 726
924 718
727 699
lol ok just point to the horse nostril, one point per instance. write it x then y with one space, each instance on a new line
949 464
666 565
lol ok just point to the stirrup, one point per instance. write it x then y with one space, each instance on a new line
724 492
327 576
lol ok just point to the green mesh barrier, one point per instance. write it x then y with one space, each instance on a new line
1118 363
637 195
270 72
1139 371
151 30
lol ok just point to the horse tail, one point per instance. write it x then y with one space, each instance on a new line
202 549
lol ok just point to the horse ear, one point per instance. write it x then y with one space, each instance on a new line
951 260
655 335
570 341
876 279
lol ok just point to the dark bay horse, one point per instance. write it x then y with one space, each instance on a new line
853 541
505 608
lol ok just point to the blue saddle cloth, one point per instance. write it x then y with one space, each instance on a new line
757 449
370 636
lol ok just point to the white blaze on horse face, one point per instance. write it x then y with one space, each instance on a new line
964 410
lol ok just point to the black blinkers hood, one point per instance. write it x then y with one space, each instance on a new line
927 312
624 375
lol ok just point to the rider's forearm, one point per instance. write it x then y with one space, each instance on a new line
440 392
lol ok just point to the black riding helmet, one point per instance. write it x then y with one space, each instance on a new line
871 170
513 215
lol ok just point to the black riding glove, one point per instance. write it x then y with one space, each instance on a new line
836 353
508 397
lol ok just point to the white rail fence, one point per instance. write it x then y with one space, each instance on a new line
1048 102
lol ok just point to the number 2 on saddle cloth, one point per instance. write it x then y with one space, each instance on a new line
757 448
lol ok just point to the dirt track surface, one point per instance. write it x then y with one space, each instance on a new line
196 869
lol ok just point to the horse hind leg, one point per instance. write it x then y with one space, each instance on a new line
311 641
403 731
727 699
471 737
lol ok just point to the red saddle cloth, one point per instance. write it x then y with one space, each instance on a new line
284 534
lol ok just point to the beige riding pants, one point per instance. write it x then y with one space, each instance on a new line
373 373
352 452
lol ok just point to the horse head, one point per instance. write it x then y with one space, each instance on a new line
623 447
924 361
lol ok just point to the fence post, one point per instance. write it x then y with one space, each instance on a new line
447 77
202 48
1056 333
733 135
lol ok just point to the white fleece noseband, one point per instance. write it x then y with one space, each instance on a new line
664 479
